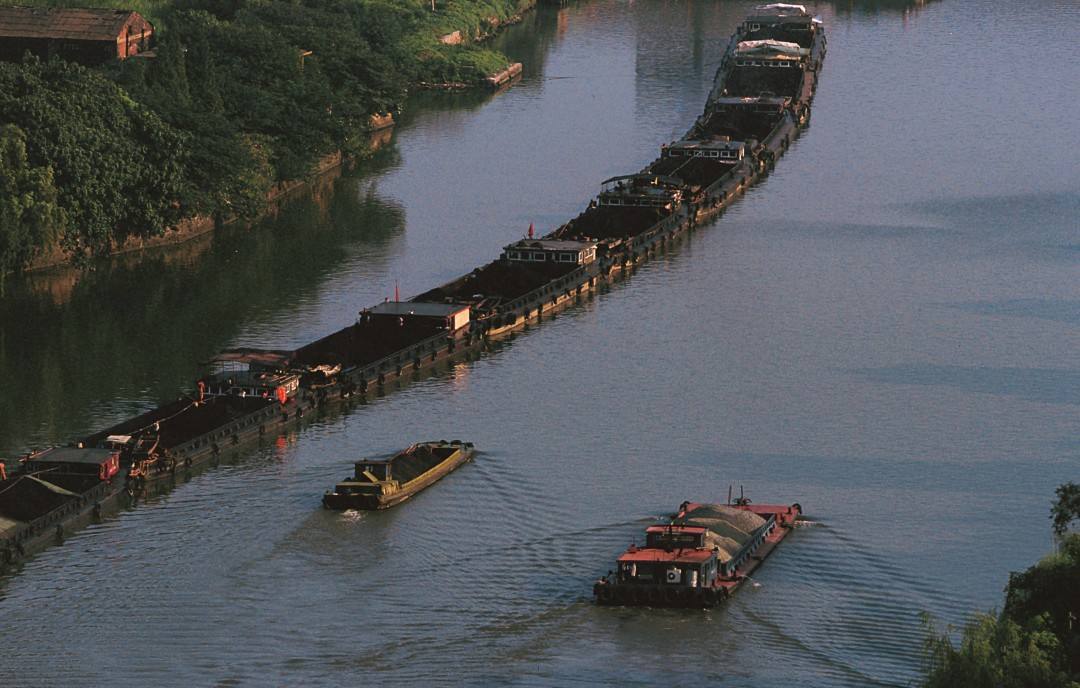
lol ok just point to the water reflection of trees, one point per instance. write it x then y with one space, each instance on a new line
137 330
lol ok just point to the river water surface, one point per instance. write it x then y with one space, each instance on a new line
886 330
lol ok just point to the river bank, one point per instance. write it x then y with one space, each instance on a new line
212 155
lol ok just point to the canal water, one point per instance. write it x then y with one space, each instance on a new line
887 330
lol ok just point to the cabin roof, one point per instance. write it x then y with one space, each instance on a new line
775 18
552 245
752 100
782 9
73 455
70 23
711 144
675 529
651 179
768 47
645 555
421 308
780 13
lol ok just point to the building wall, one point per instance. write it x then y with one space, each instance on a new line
134 38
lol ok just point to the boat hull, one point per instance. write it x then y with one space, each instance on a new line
376 502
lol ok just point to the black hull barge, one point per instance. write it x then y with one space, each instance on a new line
383 483
759 103
52 493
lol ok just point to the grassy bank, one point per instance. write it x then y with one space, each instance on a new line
242 95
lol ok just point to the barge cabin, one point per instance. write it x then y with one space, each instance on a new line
766 66
382 331
626 206
780 21
643 190
698 559
383 483
54 488
698 163
744 117
550 251
251 372
62 464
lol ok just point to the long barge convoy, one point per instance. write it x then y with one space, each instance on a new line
759 102
700 558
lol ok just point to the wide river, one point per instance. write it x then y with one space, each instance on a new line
887 330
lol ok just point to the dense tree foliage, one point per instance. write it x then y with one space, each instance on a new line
242 94
117 166
1035 641
30 216
995 652
1067 507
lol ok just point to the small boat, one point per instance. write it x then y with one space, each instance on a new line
383 483
700 558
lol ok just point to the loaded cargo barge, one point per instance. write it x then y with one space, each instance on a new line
383 483
700 558
759 102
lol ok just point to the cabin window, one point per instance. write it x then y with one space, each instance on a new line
538 256
755 27
785 64
568 257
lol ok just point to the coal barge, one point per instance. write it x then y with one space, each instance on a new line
383 483
759 103
700 558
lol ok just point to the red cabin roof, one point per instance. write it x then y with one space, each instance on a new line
676 529
643 555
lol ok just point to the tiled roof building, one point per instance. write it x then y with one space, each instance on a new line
90 36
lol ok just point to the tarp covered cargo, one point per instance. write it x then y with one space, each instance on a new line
729 528
781 9
770 45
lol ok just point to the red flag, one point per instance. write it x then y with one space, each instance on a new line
530 230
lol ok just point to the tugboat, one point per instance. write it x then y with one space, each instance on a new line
700 558
383 483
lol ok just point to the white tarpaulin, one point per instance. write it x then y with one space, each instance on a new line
770 46
782 46
782 8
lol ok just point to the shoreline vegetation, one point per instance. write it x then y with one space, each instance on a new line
244 102
1034 641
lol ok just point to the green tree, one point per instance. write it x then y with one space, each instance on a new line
30 216
117 166
1048 594
994 652
1035 641
1067 507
